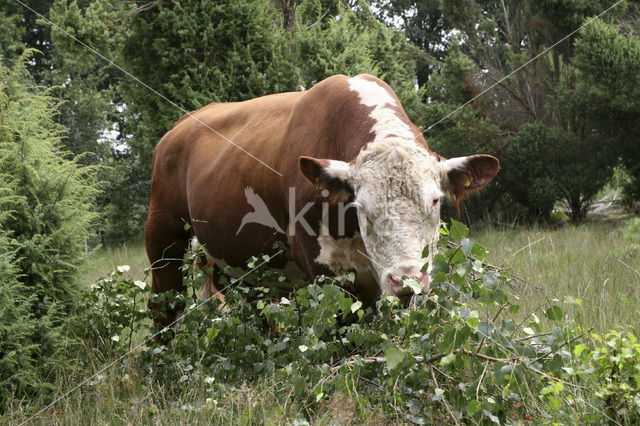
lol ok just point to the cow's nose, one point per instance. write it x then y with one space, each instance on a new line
413 270
394 282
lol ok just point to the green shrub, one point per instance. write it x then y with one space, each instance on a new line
529 169
614 365
463 350
45 203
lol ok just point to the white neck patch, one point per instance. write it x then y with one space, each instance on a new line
387 123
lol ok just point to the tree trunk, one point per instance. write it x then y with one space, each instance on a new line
289 14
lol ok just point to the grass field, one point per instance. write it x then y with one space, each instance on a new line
597 262
107 259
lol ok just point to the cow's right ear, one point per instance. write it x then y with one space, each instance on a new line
327 174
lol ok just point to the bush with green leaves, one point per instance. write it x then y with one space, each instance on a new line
45 217
463 352
614 366
116 307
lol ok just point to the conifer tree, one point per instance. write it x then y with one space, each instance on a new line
45 217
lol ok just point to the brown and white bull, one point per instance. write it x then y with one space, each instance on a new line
295 155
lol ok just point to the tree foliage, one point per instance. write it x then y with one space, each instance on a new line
46 199
499 41
436 55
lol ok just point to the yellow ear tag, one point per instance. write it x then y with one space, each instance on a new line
467 182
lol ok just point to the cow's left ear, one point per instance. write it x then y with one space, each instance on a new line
467 174
327 174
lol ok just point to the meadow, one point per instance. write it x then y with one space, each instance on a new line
596 262
595 265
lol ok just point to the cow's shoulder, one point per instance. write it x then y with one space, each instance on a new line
189 114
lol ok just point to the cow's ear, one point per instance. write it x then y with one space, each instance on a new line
327 174
467 174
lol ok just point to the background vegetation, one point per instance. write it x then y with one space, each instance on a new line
88 87
560 125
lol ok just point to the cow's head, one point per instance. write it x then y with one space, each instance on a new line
398 188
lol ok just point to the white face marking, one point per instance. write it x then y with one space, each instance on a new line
386 121
396 183
337 169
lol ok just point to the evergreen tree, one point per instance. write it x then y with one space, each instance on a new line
425 27
45 217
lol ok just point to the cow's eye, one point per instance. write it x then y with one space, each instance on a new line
435 201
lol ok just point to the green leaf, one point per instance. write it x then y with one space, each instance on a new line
425 252
474 407
502 372
462 337
463 269
478 251
448 359
467 246
554 313
579 349
473 322
355 306
413 284
485 329
490 280
448 339
513 309
458 230
393 357
554 402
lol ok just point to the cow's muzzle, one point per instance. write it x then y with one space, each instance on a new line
404 293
